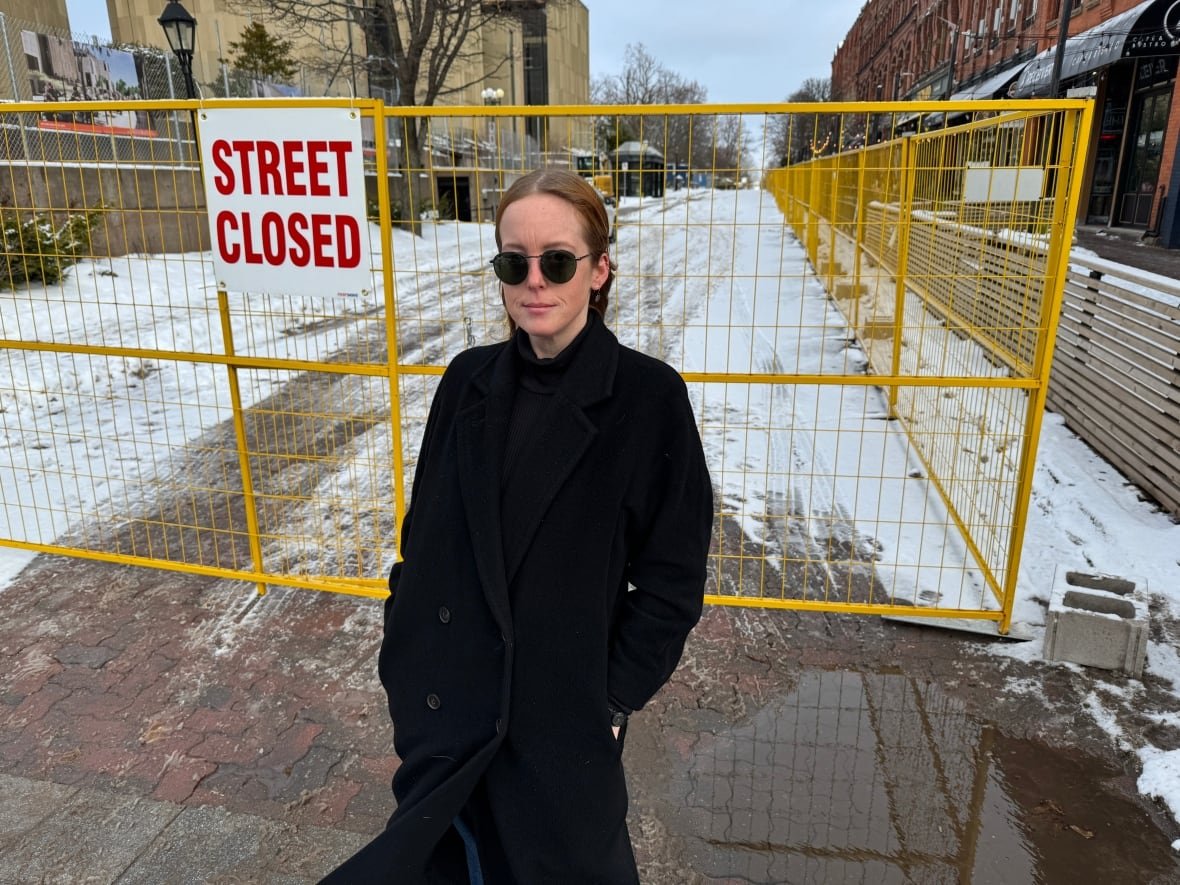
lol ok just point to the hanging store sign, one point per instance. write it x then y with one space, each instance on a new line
1154 71
285 193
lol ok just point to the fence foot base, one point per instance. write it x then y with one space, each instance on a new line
1016 633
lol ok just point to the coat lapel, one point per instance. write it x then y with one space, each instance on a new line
552 453
550 456
480 440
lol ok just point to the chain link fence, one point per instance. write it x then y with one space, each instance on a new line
70 72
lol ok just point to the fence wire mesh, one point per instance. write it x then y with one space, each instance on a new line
862 318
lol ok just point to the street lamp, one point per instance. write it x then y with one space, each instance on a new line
491 96
181 30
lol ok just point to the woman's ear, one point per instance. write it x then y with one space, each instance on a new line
601 272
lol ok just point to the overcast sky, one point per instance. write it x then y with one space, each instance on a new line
739 50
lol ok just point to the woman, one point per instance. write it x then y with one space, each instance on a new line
557 469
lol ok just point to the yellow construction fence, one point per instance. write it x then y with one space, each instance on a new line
864 317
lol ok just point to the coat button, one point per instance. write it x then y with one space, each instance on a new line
432 701
444 614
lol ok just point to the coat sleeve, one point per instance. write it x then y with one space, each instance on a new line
428 434
667 563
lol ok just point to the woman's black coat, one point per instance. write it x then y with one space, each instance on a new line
504 641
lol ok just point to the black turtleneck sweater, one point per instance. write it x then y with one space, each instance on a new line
539 380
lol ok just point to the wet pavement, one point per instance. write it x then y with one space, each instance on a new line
873 777
172 728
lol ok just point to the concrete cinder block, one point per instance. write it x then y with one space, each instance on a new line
877 327
1097 620
846 291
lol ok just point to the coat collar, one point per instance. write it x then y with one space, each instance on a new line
553 453
589 379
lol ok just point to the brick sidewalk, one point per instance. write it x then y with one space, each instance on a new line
151 698
157 727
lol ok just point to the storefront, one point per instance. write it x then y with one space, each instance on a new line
1131 59
993 84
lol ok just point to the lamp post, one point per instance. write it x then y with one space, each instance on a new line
181 30
491 96
1059 52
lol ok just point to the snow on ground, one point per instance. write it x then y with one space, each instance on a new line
710 281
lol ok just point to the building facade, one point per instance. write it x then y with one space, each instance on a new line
1121 52
49 14
533 53
538 52
900 50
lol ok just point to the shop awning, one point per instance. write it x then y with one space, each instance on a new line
994 86
905 120
1098 47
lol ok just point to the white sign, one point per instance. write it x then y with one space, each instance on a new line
984 184
285 192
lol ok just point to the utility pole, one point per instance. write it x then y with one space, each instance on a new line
1059 53
950 73
897 75
954 55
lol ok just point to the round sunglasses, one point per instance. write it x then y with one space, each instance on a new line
557 266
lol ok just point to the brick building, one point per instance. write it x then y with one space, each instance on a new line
1123 52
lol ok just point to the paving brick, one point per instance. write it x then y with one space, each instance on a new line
318 715
96 703
221 721
180 777
309 774
325 805
34 706
223 748
291 745
92 656
30 668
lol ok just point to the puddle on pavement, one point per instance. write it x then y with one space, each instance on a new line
873 778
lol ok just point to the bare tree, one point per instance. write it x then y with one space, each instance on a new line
731 140
645 81
409 49
797 137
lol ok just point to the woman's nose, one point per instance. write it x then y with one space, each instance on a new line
535 277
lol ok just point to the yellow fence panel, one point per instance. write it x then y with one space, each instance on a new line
150 417
863 317
950 268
